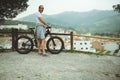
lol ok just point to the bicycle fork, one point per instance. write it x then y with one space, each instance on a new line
53 42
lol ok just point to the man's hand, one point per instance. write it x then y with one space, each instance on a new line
48 27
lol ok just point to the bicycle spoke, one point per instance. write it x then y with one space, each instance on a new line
55 45
24 44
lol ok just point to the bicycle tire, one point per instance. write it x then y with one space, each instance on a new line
55 51
28 43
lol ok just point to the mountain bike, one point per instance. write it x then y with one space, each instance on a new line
25 44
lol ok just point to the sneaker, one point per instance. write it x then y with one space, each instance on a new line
39 53
44 54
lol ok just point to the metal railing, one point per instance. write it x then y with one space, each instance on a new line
15 33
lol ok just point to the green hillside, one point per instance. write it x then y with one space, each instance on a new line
14 22
95 21
107 25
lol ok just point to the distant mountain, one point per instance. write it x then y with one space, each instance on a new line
106 25
83 22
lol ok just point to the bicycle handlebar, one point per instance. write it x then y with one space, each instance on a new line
48 27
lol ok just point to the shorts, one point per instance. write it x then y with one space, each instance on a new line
40 32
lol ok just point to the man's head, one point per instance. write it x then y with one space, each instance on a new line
41 8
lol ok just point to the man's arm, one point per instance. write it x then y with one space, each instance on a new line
43 21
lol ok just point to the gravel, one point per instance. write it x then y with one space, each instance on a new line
64 66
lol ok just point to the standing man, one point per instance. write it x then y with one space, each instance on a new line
41 26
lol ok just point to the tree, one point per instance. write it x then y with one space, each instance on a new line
11 8
117 7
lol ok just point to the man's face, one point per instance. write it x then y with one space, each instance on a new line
41 9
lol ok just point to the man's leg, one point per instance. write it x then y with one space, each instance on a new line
39 45
43 45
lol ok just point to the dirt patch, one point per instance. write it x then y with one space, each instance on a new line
64 66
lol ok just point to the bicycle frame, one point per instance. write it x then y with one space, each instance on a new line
46 34
52 43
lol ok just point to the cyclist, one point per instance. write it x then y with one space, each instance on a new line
41 26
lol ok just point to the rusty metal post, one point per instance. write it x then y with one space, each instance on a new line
14 37
71 41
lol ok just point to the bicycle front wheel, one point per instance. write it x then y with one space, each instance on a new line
55 45
24 44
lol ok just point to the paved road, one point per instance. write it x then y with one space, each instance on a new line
65 66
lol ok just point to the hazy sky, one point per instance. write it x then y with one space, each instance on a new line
58 6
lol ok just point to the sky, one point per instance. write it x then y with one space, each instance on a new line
59 6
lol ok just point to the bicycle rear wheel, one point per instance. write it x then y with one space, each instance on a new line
24 44
55 45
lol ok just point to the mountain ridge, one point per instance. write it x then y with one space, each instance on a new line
83 22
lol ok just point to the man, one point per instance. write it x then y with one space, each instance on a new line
41 26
